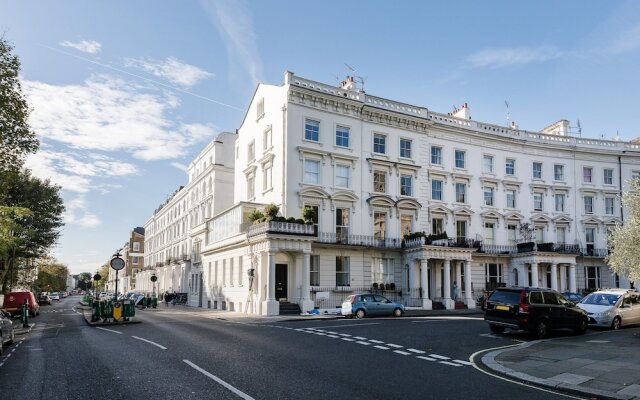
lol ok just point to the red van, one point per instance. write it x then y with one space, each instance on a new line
13 301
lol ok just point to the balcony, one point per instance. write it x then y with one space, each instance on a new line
453 242
498 249
282 228
592 252
358 240
528 247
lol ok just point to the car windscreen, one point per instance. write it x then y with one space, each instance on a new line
505 297
601 299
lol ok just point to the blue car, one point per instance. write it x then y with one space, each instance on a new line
361 305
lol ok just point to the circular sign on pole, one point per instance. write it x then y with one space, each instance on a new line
154 278
117 263
97 277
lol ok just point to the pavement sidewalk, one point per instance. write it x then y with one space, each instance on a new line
604 364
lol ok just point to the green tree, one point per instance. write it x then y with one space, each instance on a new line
624 258
17 139
52 277
38 226
104 276
84 281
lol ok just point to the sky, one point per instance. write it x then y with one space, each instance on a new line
125 93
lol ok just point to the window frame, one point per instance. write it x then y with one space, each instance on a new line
488 190
558 168
433 190
511 161
462 159
541 202
343 271
605 172
404 185
536 173
488 170
588 206
584 174
383 174
308 161
311 132
338 178
405 151
379 143
463 193
342 129
438 155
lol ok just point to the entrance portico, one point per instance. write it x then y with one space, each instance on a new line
554 271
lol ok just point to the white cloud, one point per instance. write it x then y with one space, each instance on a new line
496 58
76 172
110 114
233 20
86 46
76 214
628 41
173 70
180 166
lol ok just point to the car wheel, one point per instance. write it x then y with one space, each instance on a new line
360 313
581 327
616 324
496 328
541 329
397 312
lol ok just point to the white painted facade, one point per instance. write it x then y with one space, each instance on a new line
377 168
175 230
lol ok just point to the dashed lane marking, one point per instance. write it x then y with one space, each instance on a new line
395 346
345 335
360 338
364 343
404 353
426 358
375 341
439 357
416 351
109 330
343 326
333 336
348 339
450 363
150 342
381 347
463 362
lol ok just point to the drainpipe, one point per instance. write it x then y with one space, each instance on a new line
284 159
620 186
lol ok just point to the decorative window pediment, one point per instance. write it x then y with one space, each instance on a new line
513 216
314 192
591 221
562 220
540 219
381 201
408 204
463 212
344 195
439 209
491 214
613 221
489 181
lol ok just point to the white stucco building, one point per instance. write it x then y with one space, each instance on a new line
376 169
174 232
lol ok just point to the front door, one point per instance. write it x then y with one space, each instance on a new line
281 282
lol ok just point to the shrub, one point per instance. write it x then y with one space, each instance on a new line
271 211
309 215
255 215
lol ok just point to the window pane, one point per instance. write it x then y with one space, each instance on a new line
405 148
436 155
312 171
379 225
379 144
510 167
558 172
342 136
342 176
406 185
487 164
342 271
488 196
459 155
586 174
379 181
312 130
436 190
461 190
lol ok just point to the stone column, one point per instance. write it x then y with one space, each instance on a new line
458 273
554 276
448 303
271 306
306 303
534 275
468 296
424 284
563 278
572 278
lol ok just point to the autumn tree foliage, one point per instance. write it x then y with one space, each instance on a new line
624 240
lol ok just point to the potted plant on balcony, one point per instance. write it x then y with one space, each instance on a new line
309 215
271 211
255 216
526 232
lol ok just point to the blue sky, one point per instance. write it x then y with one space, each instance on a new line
125 93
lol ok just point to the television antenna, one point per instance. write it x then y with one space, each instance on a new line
359 79
506 104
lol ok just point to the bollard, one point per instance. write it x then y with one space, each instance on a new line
25 314
154 302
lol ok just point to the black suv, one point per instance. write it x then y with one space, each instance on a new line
536 310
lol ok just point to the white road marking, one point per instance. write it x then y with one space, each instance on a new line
450 363
220 381
439 357
333 336
321 334
341 326
598 341
345 334
333 333
348 339
404 353
416 351
426 358
364 343
396 346
375 341
463 362
108 330
360 338
150 342
381 347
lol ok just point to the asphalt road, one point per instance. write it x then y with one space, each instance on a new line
176 353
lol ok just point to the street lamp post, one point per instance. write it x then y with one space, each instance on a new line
117 264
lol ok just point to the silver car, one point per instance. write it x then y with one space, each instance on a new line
612 308
6 330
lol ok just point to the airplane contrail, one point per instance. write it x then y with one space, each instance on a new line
141 77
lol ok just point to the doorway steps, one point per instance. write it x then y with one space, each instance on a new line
287 308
